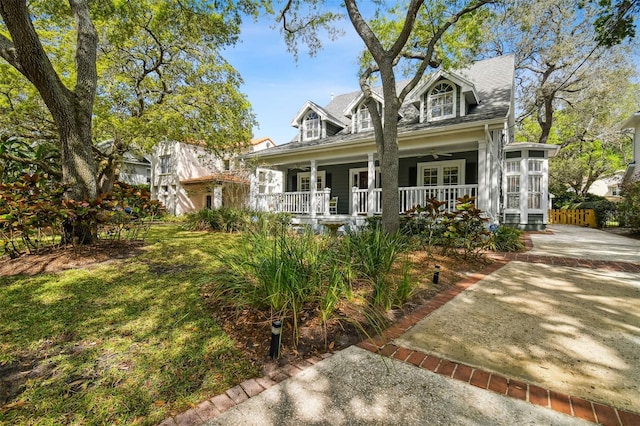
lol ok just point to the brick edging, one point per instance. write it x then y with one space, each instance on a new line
213 407
567 404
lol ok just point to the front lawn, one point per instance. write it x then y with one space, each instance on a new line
136 339
120 343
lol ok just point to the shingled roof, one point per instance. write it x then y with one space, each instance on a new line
492 79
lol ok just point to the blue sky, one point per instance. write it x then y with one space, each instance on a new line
278 87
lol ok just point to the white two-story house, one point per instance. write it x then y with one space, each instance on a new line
455 138
186 177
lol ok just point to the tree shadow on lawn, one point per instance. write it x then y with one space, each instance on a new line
110 345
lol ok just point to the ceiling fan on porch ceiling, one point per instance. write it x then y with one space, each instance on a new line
435 154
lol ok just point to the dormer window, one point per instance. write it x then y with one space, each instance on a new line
441 102
311 126
362 121
364 118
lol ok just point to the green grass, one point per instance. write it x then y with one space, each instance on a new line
128 342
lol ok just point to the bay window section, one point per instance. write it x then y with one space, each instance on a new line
534 185
513 185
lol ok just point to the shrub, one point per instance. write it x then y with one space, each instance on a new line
283 273
464 229
603 209
629 208
35 214
373 252
506 239
222 219
426 222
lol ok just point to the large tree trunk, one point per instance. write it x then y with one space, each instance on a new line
71 110
388 151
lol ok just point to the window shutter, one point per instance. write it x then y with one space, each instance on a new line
294 183
327 178
413 176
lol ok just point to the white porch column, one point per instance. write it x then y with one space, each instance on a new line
312 188
483 174
495 177
371 185
354 201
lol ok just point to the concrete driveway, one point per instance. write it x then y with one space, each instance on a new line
571 329
585 243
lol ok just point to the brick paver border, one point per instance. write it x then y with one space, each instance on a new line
574 406
218 404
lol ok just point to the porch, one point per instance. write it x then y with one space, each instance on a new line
363 202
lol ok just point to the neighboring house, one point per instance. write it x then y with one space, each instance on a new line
608 187
455 134
633 169
186 177
135 169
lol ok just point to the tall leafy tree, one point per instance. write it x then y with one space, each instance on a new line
163 77
615 21
406 39
70 103
592 147
558 57
155 66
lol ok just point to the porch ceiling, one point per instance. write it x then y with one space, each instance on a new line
440 140
336 157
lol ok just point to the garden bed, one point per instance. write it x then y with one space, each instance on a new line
251 328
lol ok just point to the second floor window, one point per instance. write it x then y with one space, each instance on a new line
165 164
364 118
311 126
440 103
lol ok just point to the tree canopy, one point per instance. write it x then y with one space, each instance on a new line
615 21
572 90
404 39
159 74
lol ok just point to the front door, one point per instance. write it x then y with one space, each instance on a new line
362 180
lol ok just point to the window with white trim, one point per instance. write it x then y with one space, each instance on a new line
513 184
441 173
440 102
304 181
534 184
430 176
165 164
363 118
614 190
311 126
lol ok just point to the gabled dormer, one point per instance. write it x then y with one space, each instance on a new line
314 122
359 113
445 95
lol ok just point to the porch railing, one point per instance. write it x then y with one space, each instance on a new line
294 202
361 202
411 197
